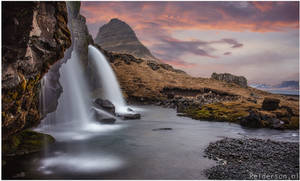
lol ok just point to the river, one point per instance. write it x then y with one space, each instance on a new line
133 150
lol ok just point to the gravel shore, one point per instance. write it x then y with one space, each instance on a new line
253 159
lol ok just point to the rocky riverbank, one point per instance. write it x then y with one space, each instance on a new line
241 159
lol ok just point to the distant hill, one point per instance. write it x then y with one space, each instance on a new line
117 36
292 84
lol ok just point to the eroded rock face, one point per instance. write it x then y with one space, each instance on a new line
80 41
117 36
35 36
226 77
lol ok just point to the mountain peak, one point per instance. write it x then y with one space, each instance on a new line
118 36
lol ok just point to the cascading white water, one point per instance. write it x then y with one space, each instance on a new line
74 103
108 80
75 99
73 117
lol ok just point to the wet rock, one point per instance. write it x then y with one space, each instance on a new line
270 104
126 116
26 142
162 129
239 80
252 121
180 114
276 123
105 105
102 117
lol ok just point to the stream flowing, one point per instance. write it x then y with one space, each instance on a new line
137 152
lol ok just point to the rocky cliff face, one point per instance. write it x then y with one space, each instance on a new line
229 78
35 36
80 41
117 36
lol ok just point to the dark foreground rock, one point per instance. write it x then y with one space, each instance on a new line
253 120
25 142
253 159
270 104
162 129
105 105
102 117
130 115
35 36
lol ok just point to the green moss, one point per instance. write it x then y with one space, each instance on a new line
217 112
27 141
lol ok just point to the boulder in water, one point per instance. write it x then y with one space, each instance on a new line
162 129
105 105
103 117
129 115
276 123
252 121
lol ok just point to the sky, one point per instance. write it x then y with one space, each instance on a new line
258 40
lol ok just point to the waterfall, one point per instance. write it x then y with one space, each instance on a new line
74 102
75 99
72 118
108 79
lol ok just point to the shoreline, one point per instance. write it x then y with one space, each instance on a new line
251 158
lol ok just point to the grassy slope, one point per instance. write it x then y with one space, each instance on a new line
139 80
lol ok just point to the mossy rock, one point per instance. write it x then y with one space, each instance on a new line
26 142
229 112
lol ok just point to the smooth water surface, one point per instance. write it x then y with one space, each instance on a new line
132 150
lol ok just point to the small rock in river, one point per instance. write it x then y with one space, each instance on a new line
162 129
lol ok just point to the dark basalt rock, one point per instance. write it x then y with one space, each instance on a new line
102 117
126 116
35 36
106 105
252 121
25 142
239 80
162 129
270 104
276 123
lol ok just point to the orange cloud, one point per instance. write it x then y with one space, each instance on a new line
263 5
257 17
